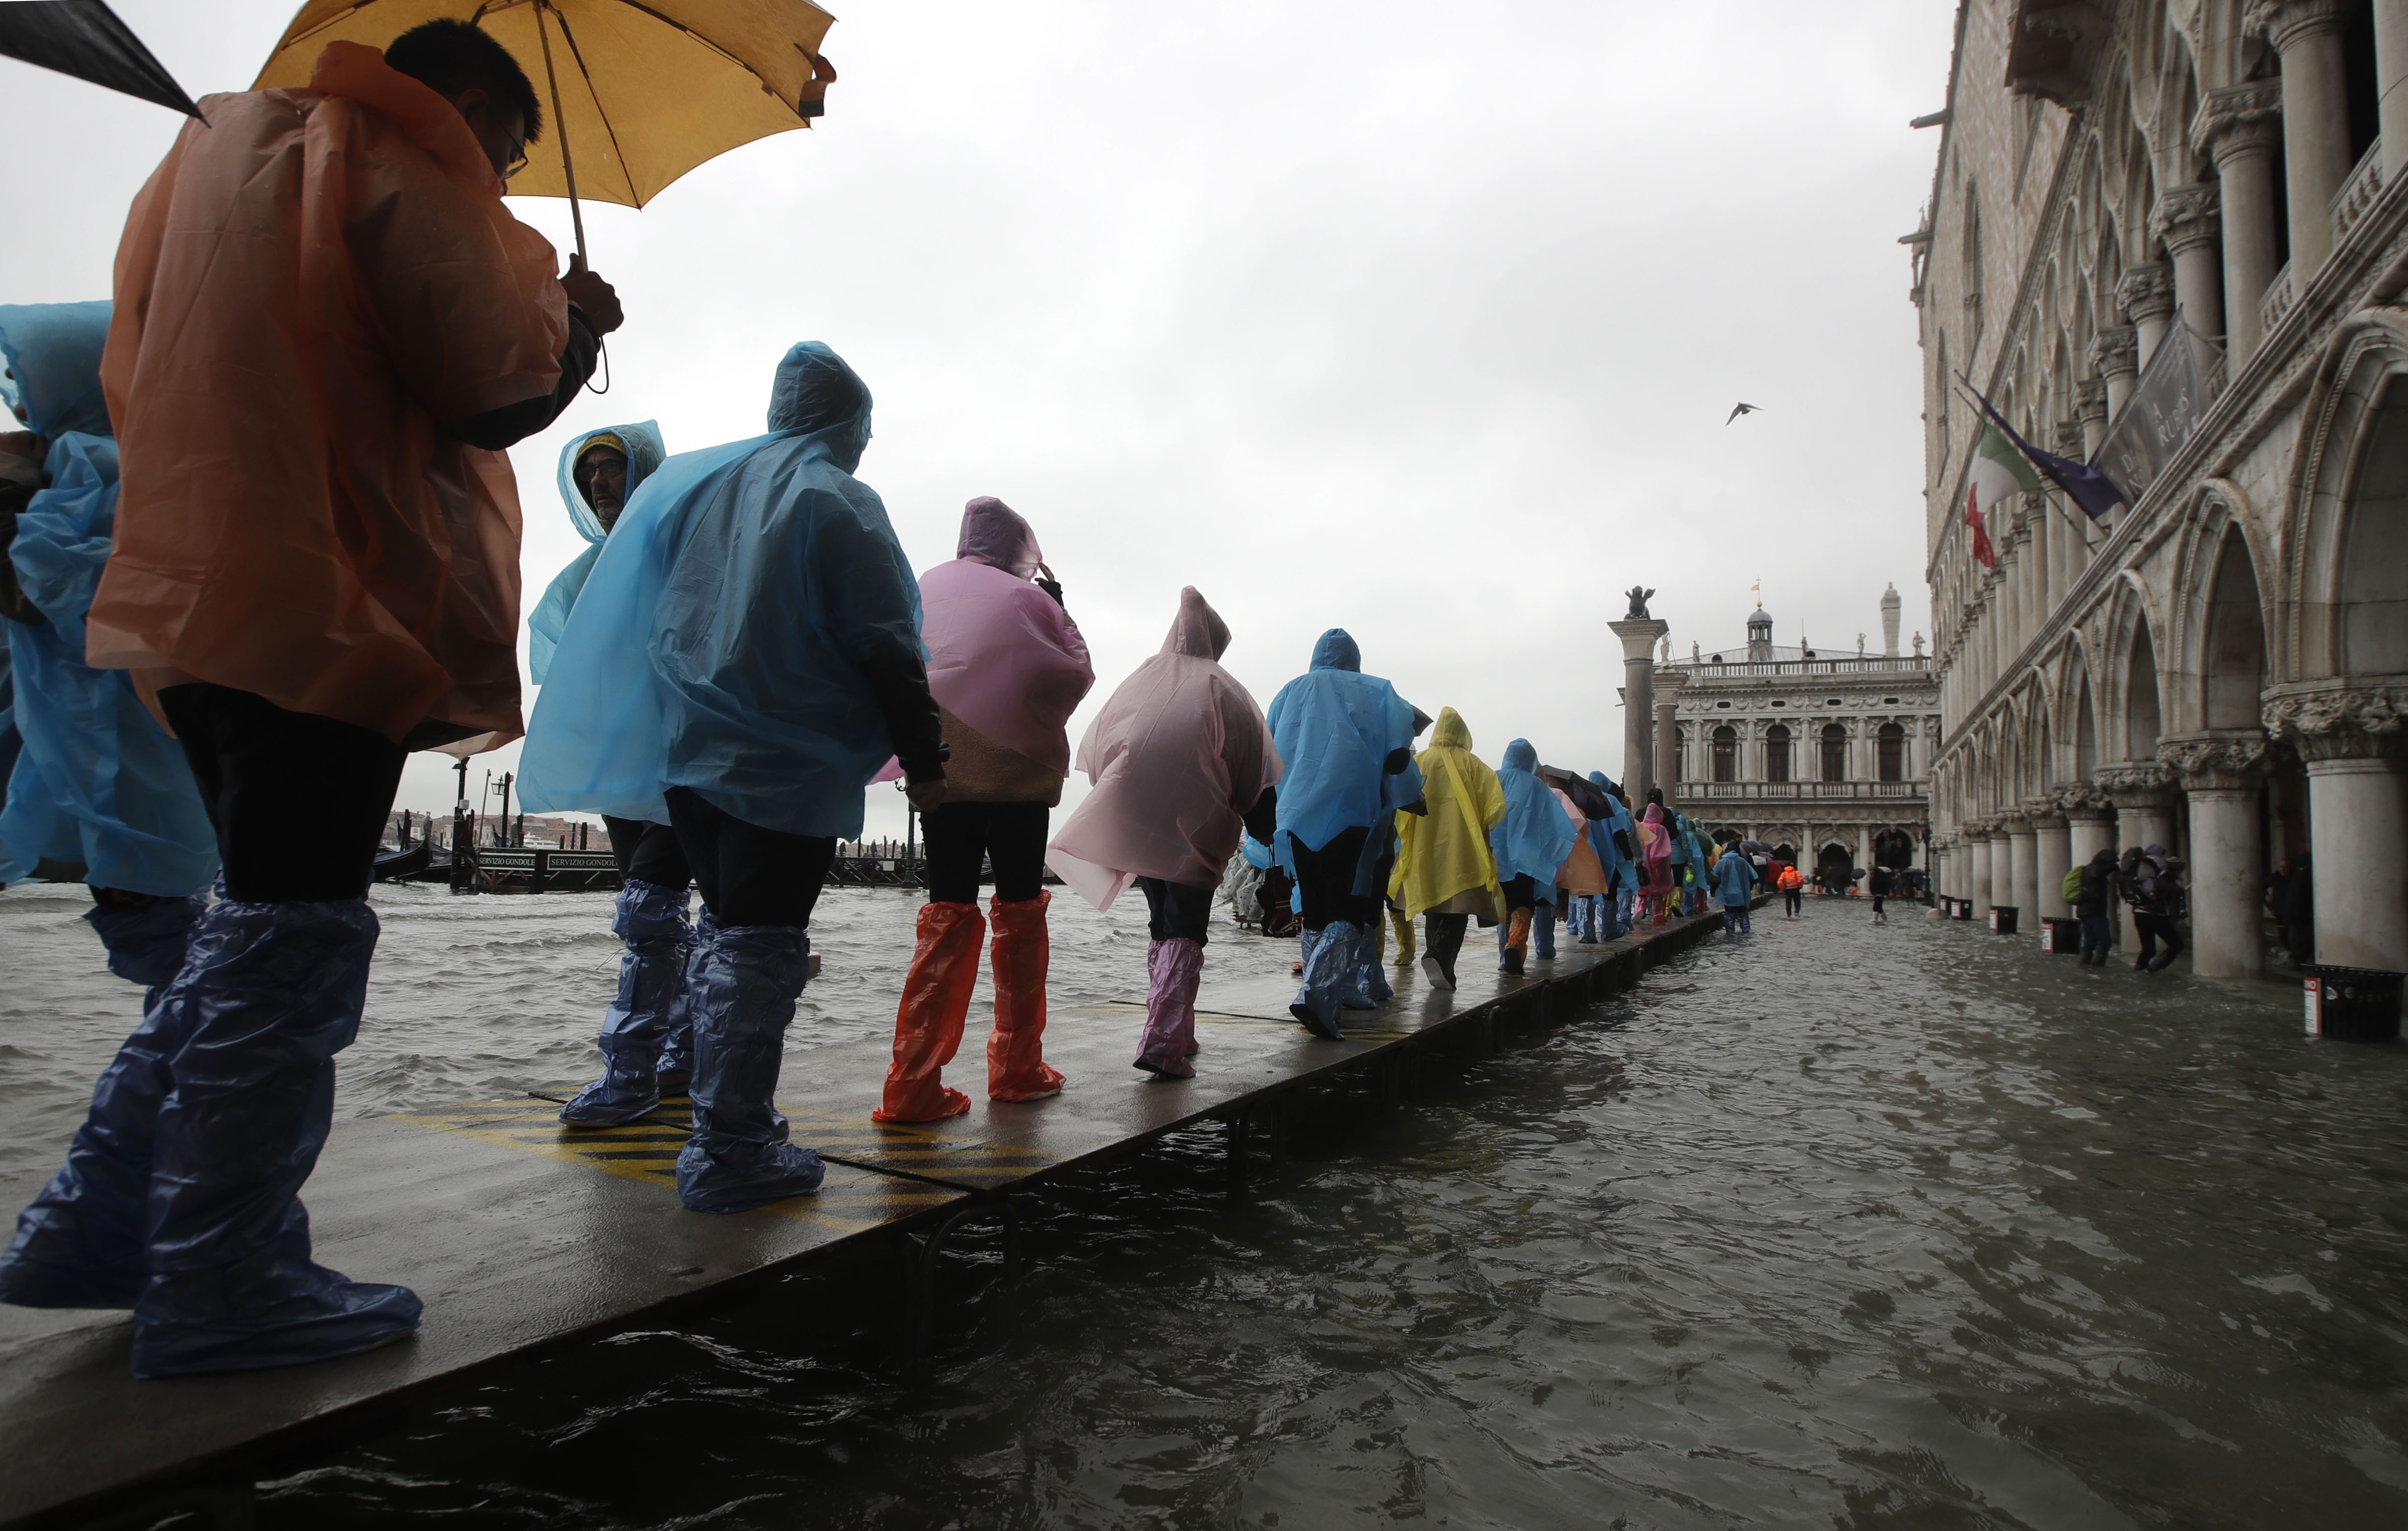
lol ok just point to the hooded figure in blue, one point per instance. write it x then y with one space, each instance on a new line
598 471
1348 739
98 787
744 659
647 1034
1534 839
1616 843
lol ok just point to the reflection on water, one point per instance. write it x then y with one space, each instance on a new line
1897 1226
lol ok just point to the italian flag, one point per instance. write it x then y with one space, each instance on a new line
1999 470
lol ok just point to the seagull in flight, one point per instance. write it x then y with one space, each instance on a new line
1738 409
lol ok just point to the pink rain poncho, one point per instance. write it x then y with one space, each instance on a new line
1655 854
1177 757
1003 657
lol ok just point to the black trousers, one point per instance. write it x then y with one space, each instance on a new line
298 801
1326 877
1177 909
648 852
1521 893
749 876
1010 835
2154 928
1793 900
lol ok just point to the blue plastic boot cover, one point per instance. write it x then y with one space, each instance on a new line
1369 978
1542 932
147 946
268 994
677 1048
1327 960
1353 985
651 920
746 979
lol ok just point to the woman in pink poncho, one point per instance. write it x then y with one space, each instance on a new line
1181 762
1655 859
1007 667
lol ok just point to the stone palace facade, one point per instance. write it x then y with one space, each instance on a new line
2171 236
1828 752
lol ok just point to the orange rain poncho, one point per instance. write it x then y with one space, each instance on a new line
309 286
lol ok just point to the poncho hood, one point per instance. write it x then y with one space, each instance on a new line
817 393
1197 631
1336 650
641 443
51 352
1521 755
999 536
1452 733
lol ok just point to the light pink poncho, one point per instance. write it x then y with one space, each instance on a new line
1003 657
1177 756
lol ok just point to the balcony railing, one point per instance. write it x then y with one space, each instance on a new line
1852 664
1800 791
2277 301
2358 193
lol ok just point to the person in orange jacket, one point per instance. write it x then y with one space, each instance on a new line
327 328
1792 883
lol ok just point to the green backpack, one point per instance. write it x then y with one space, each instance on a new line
2070 888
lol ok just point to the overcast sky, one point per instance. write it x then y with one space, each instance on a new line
1417 319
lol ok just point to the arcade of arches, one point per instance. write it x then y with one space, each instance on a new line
2221 668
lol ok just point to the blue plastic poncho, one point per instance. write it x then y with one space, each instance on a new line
642 444
1734 880
1336 727
1620 870
721 642
1535 837
96 782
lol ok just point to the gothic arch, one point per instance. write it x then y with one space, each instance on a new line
2349 493
2220 627
2133 703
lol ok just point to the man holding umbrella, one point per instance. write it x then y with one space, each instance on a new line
326 329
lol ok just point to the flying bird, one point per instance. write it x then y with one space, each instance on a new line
1738 409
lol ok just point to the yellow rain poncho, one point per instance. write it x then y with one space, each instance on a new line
1446 852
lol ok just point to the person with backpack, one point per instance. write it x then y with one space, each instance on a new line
2149 881
2089 890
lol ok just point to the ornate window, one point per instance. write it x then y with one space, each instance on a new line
1726 754
1776 752
1890 749
1835 753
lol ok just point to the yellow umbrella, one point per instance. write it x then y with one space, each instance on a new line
640 90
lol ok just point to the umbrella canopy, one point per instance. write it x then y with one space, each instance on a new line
84 39
641 93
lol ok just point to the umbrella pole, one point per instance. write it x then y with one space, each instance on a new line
560 129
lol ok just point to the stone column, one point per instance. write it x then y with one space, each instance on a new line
2053 853
2002 862
2239 125
1977 867
2023 878
2353 740
2219 772
2090 408
1864 855
2186 219
2089 821
1668 731
2391 83
2147 296
2138 790
2115 352
1639 635
2316 119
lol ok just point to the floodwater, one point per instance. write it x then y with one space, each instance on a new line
1901 1226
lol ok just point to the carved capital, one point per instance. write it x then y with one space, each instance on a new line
2185 218
2288 22
2085 802
2068 439
2134 783
2043 812
2116 351
2147 291
2015 822
2337 721
2239 120
2228 761
2090 400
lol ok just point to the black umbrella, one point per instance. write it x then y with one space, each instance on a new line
1581 790
84 39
